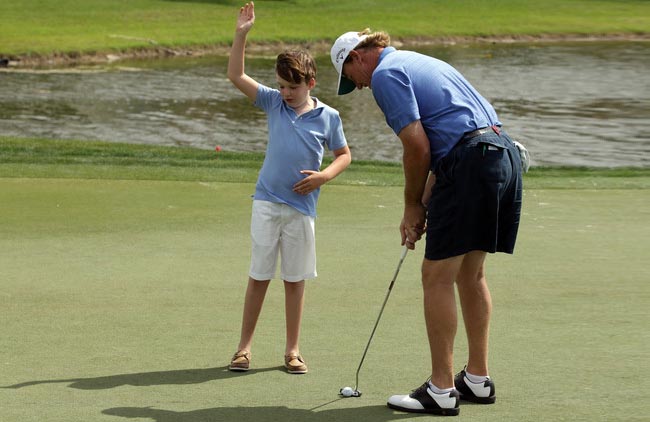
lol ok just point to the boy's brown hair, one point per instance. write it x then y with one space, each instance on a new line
295 66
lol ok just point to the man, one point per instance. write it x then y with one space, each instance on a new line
463 188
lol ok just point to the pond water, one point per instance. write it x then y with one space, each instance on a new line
569 103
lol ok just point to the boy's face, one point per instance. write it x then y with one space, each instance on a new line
295 95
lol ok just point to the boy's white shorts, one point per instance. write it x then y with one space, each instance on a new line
280 229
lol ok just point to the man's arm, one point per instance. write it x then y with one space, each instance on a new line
426 196
236 74
416 161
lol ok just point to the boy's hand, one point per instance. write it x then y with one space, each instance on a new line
246 18
313 181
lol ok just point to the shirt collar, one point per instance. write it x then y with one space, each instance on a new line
386 52
316 111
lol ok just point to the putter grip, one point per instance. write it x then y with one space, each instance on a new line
404 251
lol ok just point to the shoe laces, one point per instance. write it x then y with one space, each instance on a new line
462 371
423 387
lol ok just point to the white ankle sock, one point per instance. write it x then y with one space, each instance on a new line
440 390
476 379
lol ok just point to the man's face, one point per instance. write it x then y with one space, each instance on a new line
354 70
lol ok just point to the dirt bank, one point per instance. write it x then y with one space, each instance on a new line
77 58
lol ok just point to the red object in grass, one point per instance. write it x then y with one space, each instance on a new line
218 148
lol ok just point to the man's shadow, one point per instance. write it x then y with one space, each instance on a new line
261 414
143 379
239 414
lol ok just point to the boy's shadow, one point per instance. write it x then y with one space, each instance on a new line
261 414
142 379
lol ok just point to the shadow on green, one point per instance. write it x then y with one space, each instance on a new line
147 379
260 414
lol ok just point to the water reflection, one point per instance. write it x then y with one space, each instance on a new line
571 104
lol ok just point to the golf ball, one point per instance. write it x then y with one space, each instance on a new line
346 392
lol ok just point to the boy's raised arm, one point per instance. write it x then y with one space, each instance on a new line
236 74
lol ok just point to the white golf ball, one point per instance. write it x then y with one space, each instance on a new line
347 392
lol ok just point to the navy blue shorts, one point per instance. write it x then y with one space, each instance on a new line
476 200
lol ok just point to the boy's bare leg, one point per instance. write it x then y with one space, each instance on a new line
294 296
476 303
253 302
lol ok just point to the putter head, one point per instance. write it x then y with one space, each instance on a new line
349 392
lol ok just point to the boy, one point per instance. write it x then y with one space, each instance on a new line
286 194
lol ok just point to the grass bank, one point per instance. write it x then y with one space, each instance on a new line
46 158
73 28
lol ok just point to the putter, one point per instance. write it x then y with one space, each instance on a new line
347 391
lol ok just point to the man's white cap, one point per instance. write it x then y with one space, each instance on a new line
339 52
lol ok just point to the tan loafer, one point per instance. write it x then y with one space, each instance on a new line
241 361
295 364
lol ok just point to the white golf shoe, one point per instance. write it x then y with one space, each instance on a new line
423 400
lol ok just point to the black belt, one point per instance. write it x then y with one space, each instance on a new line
481 131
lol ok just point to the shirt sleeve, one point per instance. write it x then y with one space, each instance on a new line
266 97
336 139
394 95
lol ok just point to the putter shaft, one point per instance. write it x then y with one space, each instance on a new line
381 311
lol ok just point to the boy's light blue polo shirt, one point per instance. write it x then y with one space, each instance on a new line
410 86
295 143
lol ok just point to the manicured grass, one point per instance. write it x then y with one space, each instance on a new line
90 159
70 26
121 300
47 158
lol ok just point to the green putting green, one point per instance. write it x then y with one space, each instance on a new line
122 299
